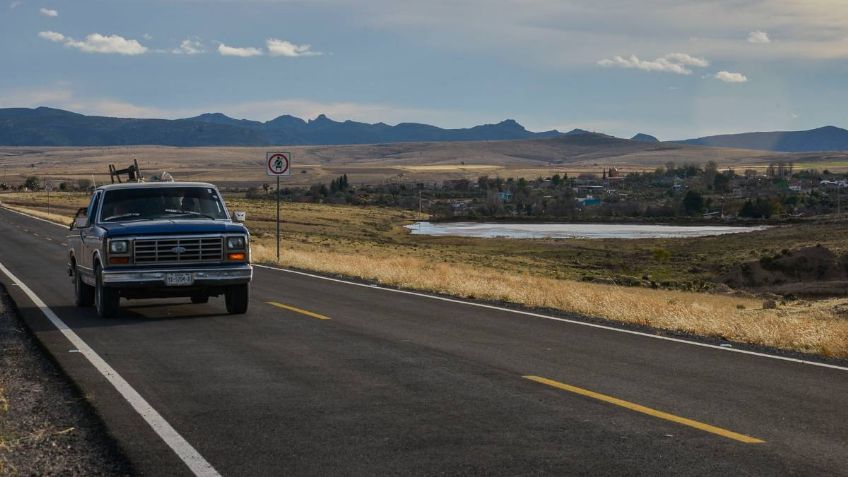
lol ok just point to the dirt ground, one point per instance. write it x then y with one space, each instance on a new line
46 427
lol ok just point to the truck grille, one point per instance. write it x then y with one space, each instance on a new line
179 250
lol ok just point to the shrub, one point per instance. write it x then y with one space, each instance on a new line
661 254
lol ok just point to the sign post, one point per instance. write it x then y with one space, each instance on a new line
278 164
48 186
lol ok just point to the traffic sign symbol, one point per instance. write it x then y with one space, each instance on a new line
278 163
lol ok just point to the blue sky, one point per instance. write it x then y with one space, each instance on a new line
671 68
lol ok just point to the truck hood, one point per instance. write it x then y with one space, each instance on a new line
173 227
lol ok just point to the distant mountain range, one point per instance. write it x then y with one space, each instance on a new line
828 138
55 127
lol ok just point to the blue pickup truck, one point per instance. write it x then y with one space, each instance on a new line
158 240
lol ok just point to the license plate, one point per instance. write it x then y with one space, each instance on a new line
178 279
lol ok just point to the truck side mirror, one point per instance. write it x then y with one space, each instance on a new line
80 219
240 216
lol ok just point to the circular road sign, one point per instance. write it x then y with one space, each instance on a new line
279 163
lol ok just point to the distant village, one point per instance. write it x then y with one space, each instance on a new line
706 192
692 191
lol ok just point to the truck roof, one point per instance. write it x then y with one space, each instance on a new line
149 185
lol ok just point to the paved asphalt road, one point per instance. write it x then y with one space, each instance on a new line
395 383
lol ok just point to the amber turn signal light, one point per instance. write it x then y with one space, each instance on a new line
236 256
119 260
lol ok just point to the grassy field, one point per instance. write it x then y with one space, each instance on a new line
371 243
377 163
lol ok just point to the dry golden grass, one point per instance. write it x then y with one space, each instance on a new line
57 218
366 243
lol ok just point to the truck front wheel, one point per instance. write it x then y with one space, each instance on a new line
83 294
107 300
237 297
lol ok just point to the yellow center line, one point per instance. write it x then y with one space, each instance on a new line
646 410
298 310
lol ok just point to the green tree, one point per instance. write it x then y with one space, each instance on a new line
556 180
521 184
721 182
693 203
759 209
32 183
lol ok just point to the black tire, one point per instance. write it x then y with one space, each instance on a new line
107 300
83 294
237 298
197 299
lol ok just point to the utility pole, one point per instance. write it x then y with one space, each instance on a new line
420 213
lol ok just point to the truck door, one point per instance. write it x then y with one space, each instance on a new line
89 239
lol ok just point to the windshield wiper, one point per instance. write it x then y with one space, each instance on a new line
121 216
189 212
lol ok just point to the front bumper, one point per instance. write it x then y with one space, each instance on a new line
201 276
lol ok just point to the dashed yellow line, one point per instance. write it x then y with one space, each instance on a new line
308 313
646 410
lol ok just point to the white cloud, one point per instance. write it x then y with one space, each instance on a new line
189 47
247 52
47 12
284 48
729 77
97 43
686 59
677 63
51 36
15 4
758 36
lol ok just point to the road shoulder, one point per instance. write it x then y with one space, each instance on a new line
46 426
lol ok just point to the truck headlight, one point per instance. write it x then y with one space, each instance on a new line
235 243
119 246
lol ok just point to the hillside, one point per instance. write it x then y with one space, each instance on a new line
56 127
828 138
644 138
405 162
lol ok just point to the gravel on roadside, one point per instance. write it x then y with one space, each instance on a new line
46 426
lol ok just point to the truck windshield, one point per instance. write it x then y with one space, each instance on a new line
162 203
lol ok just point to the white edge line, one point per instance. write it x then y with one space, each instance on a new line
528 313
195 462
563 320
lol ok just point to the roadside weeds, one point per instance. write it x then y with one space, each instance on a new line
46 427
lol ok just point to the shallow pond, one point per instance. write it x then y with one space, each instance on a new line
585 231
